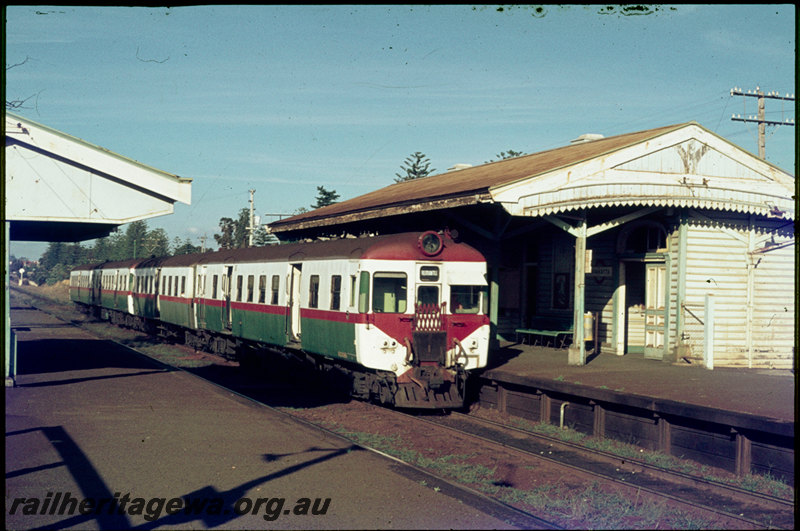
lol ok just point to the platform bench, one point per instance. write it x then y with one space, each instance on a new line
557 328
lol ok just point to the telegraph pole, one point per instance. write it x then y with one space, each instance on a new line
761 118
252 227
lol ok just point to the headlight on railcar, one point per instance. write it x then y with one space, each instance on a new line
389 348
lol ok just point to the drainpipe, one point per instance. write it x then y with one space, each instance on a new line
561 419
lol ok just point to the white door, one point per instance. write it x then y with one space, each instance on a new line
655 324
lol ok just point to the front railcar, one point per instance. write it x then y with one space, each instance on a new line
423 300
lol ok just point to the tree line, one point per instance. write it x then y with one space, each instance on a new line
139 241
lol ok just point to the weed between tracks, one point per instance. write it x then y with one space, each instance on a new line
763 484
593 507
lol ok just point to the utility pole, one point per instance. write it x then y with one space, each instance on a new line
761 118
252 227
203 243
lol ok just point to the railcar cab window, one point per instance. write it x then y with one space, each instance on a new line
214 285
239 288
389 292
428 295
466 299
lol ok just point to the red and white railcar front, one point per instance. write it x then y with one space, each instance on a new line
422 300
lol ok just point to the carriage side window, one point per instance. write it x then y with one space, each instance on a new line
336 291
183 284
466 299
363 293
262 289
239 288
353 285
313 292
250 287
276 282
214 284
169 286
389 293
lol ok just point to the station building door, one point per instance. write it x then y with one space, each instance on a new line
643 303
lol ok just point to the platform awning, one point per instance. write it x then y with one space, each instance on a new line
61 188
682 165
688 167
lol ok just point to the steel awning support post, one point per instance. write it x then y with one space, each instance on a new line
577 351
9 346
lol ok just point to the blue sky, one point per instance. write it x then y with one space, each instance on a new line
282 99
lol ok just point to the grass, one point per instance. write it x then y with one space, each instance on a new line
761 483
590 508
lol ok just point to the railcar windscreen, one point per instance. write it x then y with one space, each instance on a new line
466 299
389 292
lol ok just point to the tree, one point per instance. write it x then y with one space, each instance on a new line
263 237
233 234
510 154
184 247
225 238
156 243
415 166
325 197
135 236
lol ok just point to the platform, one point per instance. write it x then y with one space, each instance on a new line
736 419
767 393
92 420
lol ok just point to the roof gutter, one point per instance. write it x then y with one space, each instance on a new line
379 211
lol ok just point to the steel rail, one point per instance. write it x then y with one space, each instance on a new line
735 493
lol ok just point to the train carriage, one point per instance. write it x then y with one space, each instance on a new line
175 291
144 295
80 285
403 315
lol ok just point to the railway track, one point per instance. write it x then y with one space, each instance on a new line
739 505
739 508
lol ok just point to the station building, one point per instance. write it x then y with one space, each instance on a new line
665 236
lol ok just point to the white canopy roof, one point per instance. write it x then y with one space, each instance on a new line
56 180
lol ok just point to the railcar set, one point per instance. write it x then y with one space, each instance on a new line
402 316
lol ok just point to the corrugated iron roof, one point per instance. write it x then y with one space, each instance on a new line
466 186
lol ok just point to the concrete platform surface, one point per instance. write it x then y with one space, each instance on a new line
765 393
98 437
